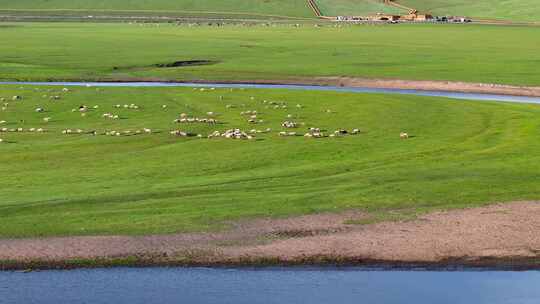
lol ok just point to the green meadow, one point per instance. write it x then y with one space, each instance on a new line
83 51
459 154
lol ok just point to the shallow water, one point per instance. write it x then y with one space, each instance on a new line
269 285
455 95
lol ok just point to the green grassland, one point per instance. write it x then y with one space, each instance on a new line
516 10
472 53
231 8
356 7
460 154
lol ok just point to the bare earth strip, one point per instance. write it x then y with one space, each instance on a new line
426 85
503 233
422 85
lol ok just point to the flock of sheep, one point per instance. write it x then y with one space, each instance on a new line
251 117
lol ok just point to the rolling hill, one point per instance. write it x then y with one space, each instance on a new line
355 7
252 8
517 10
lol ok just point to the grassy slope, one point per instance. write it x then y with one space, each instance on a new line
517 10
474 53
292 8
463 154
355 7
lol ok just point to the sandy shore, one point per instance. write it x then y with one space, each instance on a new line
502 234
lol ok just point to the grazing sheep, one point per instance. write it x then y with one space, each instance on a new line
46 119
2 122
289 124
39 110
403 135
16 97
40 130
1 140
355 131
182 133
231 134
163 106
317 135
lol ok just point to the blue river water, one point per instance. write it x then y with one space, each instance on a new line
269 285
455 95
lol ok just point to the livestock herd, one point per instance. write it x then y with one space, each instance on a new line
250 116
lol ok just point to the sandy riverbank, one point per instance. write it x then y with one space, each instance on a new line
493 236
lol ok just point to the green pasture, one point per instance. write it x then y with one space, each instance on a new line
226 8
78 51
459 154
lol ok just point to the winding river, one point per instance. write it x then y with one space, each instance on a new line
455 95
269 285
